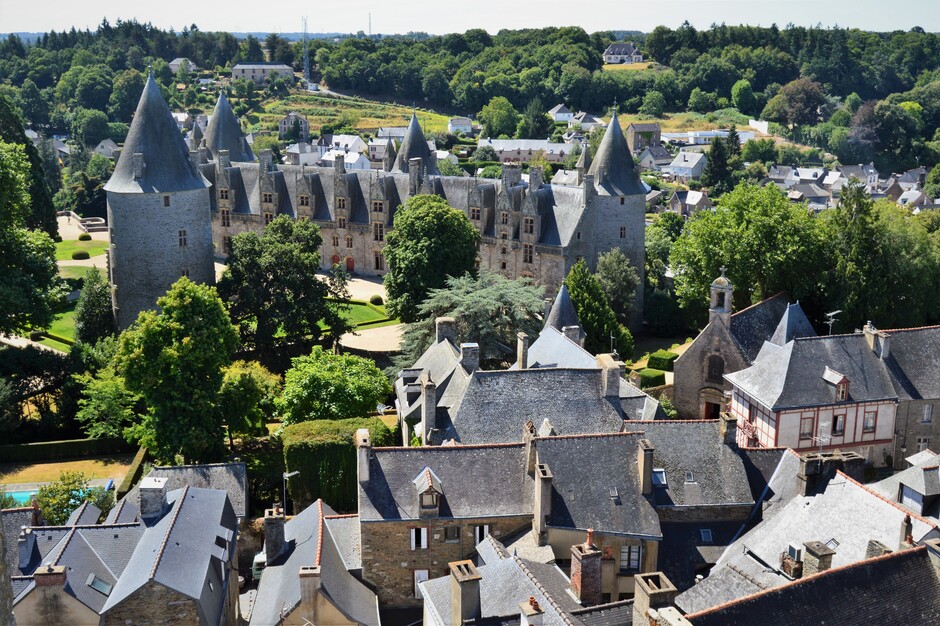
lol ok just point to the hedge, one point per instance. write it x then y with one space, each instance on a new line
650 377
662 360
133 474
324 454
84 237
56 450
376 299
80 255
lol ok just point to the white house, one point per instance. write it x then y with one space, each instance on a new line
513 150
560 113
354 160
260 72
585 121
178 61
301 153
623 52
106 148
687 165
183 119
459 125
352 143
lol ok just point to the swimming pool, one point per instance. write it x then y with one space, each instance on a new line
22 497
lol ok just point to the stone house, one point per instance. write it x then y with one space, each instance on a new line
524 150
654 157
295 125
259 73
640 136
728 343
624 52
686 203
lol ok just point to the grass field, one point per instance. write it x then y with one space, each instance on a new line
678 122
114 466
634 67
320 109
64 249
78 271
359 314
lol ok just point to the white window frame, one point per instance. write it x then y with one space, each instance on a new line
480 533
927 416
631 558
419 538
923 443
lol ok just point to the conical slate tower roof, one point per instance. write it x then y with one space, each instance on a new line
613 166
562 313
414 146
388 163
224 133
584 161
195 136
166 164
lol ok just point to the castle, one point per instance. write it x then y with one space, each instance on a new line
529 227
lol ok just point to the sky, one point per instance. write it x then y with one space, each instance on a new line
437 17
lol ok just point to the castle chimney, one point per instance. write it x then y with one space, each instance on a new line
428 406
522 350
266 159
906 539
644 459
274 542
573 333
26 544
415 175
546 307
817 557
309 589
152 492
363 451
586 571
50 576
194 158
446 328
138 162
530 613
610 375
464 591
728 428
535 178
339 164
651 591
224 160
542 501
470 357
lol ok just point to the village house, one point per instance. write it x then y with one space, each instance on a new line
686 203
585 121
624 52
350 143
301 153
687 165
178 62
107 148
352 160
560 113
654 157
460 125
640 136
259 73
524 150
295 126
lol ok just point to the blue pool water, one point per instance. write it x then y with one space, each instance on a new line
22 497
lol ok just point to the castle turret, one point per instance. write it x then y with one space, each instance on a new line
388 161
613 168
415 146
158 212
224 133
720 305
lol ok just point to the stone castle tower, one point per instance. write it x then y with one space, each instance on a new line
158 212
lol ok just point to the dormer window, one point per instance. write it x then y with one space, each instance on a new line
659 477
429 500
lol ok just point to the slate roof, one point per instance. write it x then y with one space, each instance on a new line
613 169
846 512
559 109
759 465
345 532
86 513
922 477
914 361
562 312
225 133
657 152
687 159
897 588
477 481
229 477
553 349
684 553
153 133
11 523
620 49
414 146
585 469
793 375
696 446
761 322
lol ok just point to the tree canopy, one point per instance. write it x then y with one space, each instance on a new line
94 317
619 280
598 320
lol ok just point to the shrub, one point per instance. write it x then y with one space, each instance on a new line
84 237
324 453
652 378
662 360
80 255
376 300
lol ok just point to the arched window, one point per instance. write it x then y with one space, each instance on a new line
716 368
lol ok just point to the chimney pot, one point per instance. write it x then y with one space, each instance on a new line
152 493
470 357
50 576
446 328
274 542
522 350
464 591
530 613
586 573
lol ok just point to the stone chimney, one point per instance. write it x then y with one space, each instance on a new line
266 159
470 357
878 341
203 154
573 333
415 175
535 178
728 427
152 497
587 189
644 459
138 163
586 571
522 350
194 158
512 174
651 591
339 164
876 548
464 592
542 501
906 538
610 375
363 451
546 307
446 328
274 542
26 544
50 576
225 161
528 441
817 469
309 589
530 613
817 557
428 405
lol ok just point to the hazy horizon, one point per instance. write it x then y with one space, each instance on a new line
284 16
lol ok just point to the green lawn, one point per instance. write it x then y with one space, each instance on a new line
78 271
64 249
359 314
63 325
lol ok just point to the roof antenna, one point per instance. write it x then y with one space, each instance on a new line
831 318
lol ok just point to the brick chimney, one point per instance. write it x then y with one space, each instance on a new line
50 576
26 544
817 469
470 357
728 427
573 333
522 350
906 539
817 557
530 613
586 571
309 589
651 591
464 591
876 548
878 341
446 328
363 451
152 492
610 375
542 501
274 542
428 405
644 459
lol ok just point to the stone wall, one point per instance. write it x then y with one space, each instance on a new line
704 513
154 604
389 563
910 425
691 384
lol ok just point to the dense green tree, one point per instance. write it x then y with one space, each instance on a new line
331 386
762 150
743 96
430 242
93 88
619 280
272 290
174 359
42 212
701 101
106 407
128 85
27 257
59 498
654 104
800 101
246 398
489 310
89 126
535 122
597 318
932 183
717 173
499 118
35 107
94 318
484 153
